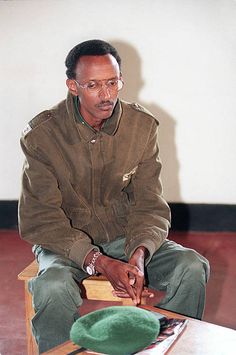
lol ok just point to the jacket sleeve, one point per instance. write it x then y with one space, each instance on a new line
149 218
42 220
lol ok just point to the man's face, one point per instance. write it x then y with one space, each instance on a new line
95 106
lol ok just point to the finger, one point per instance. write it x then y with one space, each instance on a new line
122 284
135 271
132 281
136 280
121 289
118 286
132 294
132 278
139 287
120 294
145 293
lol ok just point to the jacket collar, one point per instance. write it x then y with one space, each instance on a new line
88 133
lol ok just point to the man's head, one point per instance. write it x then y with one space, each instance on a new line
93 71
93 47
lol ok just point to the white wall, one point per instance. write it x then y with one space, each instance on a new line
178 60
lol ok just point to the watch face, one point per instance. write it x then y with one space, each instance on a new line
89 270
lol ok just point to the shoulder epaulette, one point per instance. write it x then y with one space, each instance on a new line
36 121
140 108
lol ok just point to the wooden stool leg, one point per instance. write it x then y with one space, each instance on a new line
32 348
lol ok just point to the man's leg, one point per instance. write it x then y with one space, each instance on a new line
183 274
56 298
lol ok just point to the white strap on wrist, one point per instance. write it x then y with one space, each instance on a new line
90 269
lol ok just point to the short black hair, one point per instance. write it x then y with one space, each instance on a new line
91 47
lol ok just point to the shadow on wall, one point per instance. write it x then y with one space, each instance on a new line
131 70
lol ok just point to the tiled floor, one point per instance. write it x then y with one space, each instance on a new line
15 254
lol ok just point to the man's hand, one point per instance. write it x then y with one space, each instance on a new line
138 260
127 279
121 276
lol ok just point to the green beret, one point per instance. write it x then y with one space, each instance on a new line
117 330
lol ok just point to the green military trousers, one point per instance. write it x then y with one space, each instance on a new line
182 273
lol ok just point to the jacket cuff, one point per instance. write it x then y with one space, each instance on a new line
79 251
151 245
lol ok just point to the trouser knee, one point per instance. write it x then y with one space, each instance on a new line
194 266
55 287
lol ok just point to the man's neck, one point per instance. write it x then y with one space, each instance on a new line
97 127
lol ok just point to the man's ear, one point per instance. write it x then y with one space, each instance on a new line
73 89
121 77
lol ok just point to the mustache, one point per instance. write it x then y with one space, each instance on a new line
105 103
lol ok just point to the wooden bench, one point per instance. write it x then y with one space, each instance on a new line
93 288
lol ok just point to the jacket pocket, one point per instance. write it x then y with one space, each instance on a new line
79 217
120 210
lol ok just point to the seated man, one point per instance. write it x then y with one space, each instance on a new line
92 201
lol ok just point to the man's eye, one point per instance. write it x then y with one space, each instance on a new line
92 85
112 83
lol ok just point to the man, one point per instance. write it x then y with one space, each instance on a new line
92 201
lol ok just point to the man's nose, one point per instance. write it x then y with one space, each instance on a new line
104 92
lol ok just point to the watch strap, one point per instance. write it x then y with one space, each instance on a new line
91 270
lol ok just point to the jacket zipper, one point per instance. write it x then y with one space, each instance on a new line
93 193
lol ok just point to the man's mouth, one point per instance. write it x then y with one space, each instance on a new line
105 105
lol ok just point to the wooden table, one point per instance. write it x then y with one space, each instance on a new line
198 338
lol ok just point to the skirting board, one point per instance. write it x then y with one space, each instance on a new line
185 217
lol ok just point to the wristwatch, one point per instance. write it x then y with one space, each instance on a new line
90 269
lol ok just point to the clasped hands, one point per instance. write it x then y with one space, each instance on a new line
127 279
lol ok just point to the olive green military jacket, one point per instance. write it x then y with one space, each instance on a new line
82 187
